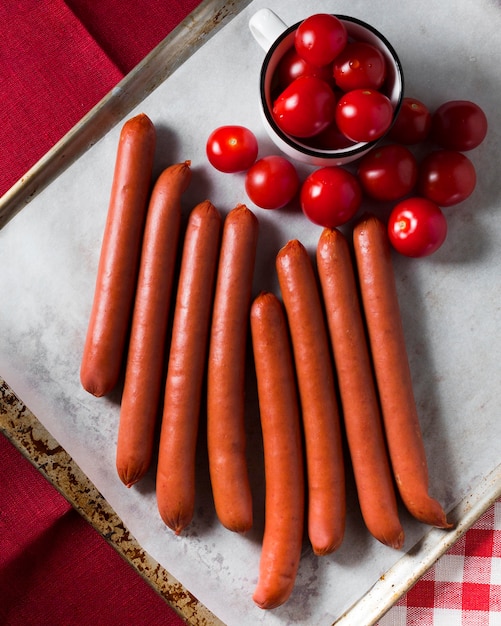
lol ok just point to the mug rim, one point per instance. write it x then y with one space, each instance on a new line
355 149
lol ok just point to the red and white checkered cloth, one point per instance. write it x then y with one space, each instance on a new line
463 588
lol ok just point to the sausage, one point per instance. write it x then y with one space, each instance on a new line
175 485
360 405
142 391
392 371
317 393
283 454
226 439
111 311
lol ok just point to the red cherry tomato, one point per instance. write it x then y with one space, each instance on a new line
320 38
359 66
330 196
232 148
305 107
364 114
292 66
417 227
272 182
459 125
447 177
331 138
413 122
388 173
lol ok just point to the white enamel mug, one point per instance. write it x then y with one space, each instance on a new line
276 38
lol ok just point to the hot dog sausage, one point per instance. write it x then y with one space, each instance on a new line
119 259
226 371
393 376
175 487
144 370
324 455
362 417
283 456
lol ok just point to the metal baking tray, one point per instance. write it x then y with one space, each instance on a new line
27 413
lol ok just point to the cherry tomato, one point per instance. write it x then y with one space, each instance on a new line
330 196
305 107
292 66
417 227
331 138
364 114
232 148
272 182
459 125
447 177
359 66
320 38
388 173
413 122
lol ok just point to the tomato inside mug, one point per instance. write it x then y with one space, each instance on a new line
301 122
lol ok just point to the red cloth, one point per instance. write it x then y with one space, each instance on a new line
55 570
127 30
58 59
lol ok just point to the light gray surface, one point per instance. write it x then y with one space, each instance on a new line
450 302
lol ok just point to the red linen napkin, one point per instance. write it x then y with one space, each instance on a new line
52 73
55 570
127 30
58 59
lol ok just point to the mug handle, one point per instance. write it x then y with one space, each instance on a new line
266 27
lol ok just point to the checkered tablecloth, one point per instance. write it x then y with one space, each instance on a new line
463 588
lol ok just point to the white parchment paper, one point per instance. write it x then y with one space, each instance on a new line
450 301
